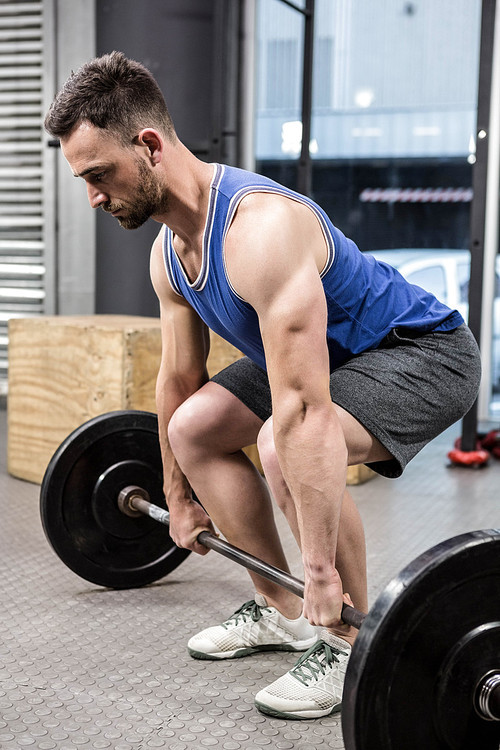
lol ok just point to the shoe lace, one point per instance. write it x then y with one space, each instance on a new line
248 611
316 662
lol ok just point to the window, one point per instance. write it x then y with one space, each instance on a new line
281 80
463 273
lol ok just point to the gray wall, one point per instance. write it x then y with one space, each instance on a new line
185 44
69 224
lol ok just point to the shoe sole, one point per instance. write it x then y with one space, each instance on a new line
297 715
239 652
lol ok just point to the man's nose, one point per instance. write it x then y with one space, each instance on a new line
96 196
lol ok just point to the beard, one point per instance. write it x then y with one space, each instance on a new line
149 199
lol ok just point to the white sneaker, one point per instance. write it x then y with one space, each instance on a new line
313 687
254 627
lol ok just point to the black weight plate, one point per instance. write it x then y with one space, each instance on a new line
78 502
456 697
393 693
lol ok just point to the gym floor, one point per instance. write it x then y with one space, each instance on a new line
85 667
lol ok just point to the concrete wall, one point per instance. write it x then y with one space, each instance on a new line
183 43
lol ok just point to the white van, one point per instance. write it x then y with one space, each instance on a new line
446 274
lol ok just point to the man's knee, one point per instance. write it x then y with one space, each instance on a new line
269 460
266 448
186 427
212 420
195 422
272 469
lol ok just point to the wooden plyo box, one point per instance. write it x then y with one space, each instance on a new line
359 474
64 370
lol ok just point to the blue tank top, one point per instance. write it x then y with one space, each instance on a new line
365 298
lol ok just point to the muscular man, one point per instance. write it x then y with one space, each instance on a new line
346 363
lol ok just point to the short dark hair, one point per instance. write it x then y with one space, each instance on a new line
113 93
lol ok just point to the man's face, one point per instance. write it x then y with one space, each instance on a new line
119 180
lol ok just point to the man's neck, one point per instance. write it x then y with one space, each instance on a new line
187 180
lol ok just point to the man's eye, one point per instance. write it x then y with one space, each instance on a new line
99 176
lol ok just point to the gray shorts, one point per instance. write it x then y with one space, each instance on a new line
405 392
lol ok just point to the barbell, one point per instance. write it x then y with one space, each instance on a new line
424 671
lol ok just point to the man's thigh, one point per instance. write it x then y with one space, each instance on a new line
249 384
391 401
222 418
409 390
362 446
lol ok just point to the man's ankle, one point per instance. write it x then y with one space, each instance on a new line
348 637
289 608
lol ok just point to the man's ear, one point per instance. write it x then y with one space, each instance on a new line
152 140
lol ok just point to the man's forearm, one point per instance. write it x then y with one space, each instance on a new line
313 459
187 517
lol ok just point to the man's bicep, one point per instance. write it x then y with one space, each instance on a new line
185 339
293 324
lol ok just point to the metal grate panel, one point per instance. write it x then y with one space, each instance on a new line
22 271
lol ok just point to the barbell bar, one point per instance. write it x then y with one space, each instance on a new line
424 671
135 499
